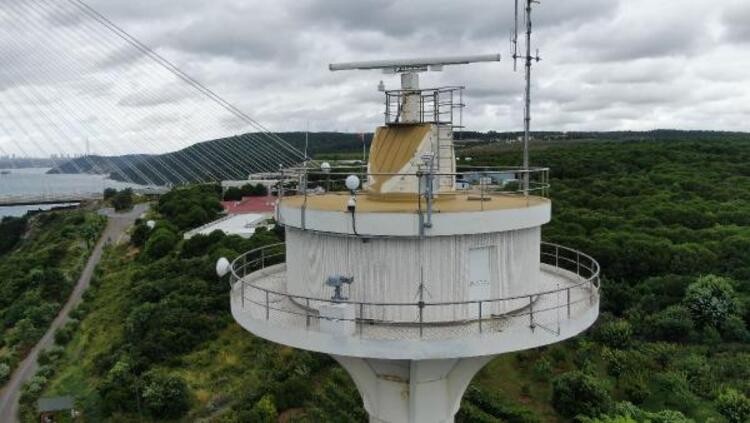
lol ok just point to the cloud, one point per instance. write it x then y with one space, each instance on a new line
614 64
735 20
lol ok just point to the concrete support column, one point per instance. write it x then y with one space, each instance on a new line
411 104
412 391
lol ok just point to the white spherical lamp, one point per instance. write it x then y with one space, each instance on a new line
352 182
325 167
222 267
151 224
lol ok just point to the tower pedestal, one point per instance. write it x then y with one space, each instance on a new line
412 391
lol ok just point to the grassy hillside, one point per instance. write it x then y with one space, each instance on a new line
41 257
668 221
213 159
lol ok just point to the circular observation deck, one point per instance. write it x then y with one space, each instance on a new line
475 200
564 302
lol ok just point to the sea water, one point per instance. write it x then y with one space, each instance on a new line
36 181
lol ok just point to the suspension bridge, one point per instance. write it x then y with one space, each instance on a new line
76 84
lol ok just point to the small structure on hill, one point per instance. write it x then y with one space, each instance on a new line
50 408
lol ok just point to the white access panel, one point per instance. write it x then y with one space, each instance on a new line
479 276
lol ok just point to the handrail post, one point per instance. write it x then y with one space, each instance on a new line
361 318
307 313
557 256
421 318
568 302
267 307
578 263
263 258
531 311
480 317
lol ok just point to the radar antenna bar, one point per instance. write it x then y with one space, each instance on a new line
412 65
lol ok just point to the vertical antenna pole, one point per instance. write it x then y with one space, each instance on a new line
364 148
514 39
527 108
307 140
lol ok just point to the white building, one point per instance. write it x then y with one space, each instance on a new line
243 225
411 285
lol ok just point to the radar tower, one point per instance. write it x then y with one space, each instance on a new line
411 271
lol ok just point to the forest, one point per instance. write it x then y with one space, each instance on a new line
195 163
669 222
41 257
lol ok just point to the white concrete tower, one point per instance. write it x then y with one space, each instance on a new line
416 277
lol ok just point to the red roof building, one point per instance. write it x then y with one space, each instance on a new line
260 205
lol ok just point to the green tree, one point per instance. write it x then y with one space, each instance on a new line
123 200
233 194
734 406
711 300
109 193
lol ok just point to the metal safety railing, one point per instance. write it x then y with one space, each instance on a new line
442 106
421 192
258 285
473 180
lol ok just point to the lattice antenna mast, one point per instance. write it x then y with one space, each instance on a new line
528 59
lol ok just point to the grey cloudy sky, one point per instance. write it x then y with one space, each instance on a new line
608 65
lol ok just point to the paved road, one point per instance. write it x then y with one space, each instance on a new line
114 232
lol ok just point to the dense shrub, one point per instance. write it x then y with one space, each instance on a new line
63 336
247 190
165 396
119 388
50 355
734 406
498 408
11 231
673 387
635 387
338 400
191 206
470 413
160 243
264 411
672 324
734 329
4 373
139 234
576 393
542 368
629 413
615 334
199 244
